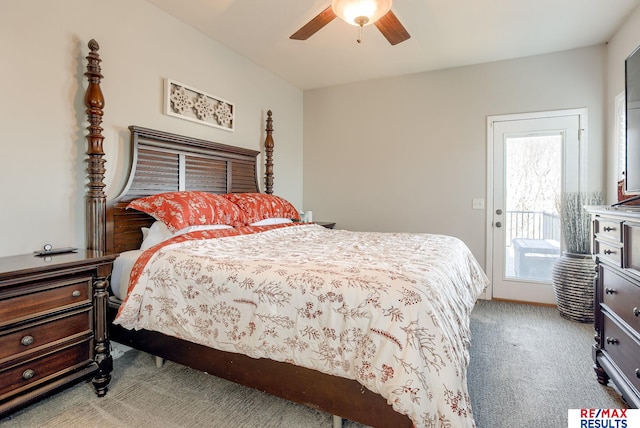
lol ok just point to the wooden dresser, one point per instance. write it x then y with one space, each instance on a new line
52 325
616 351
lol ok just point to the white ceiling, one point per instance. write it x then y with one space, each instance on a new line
444 34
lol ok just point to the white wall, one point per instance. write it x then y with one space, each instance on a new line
625 41
409 153
42 137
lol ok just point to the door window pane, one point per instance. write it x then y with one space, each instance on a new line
533 184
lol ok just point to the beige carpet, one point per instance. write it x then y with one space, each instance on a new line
528 366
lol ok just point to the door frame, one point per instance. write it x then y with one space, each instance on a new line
582 114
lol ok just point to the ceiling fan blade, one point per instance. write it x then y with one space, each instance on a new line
311 27
392 29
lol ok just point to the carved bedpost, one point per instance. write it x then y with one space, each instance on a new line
95 216
268 148
95 198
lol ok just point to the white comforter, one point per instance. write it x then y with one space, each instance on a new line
389 310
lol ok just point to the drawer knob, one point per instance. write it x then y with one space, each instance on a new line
638 373
610 290
612 341
76 293
609 229
636 311
27 340
28 374
608 252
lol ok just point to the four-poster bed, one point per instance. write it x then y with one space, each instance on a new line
164 162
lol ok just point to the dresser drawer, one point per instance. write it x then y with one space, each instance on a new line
609 251
622 297
37 335
623 350
38 299
608 229
30 373
631 239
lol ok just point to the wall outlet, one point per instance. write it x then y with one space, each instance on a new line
478 204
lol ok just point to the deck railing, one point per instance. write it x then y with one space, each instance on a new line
532 225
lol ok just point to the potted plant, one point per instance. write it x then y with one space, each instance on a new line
573 274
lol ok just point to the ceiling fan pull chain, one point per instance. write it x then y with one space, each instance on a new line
359 39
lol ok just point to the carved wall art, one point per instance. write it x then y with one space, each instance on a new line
195 105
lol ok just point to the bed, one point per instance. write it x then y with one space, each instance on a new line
373 354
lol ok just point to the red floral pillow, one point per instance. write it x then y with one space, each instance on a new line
260 206
181 209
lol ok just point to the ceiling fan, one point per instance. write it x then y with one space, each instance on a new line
359 13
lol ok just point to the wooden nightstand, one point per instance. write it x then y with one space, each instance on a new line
53 325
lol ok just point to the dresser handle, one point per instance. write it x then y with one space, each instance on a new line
609 229
76 293
610 290
28 374
612 341
636 311
27 340
608 252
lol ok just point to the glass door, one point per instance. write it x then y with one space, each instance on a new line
534 160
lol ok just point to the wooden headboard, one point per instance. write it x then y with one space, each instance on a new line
161 162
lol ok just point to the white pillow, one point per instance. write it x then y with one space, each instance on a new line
159 232
270 221
121 271
202 227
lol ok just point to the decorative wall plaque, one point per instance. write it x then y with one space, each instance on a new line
195 105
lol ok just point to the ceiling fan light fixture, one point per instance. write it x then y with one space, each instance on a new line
360 12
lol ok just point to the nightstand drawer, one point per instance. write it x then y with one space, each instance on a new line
45 298
623 349
622 297
38 335
30 373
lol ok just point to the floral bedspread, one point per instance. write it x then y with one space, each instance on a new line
390 310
